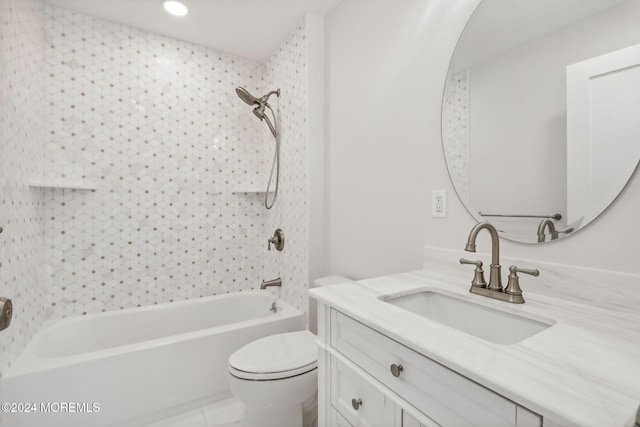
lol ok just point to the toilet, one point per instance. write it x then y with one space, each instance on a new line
276 377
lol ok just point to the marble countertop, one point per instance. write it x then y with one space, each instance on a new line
582 371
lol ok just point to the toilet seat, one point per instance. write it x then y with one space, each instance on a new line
275 357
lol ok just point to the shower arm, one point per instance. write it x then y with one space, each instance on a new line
265 98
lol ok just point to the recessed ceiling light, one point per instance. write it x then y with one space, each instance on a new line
175 7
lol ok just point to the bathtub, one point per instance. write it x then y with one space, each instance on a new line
131 367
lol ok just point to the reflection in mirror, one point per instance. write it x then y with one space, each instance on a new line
540 120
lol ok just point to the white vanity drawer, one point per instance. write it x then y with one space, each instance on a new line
443 395
409 421
361 404
337 420
526 418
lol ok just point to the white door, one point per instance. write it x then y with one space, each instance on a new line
603 130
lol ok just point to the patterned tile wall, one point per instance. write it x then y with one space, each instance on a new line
287 70
455 131
21 154
156 125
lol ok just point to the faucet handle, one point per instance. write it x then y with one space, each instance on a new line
277 240
478 277
513 286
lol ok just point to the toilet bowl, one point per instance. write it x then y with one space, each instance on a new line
276 377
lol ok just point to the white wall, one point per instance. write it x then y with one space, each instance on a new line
386 67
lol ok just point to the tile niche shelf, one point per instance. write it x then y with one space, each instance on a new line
241 190
63 185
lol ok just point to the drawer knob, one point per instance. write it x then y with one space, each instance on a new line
356 403
396 369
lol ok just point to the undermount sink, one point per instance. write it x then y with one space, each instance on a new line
481 321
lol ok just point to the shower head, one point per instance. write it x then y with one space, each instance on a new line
259 111
261 104
252 100
246 96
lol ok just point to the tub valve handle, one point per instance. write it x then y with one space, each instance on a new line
6 313
277 240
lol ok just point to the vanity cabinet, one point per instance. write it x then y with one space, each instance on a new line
357 400
368 379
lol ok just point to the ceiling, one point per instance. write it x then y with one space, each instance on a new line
248 28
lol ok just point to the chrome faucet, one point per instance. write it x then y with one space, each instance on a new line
512 293
547 223
268 283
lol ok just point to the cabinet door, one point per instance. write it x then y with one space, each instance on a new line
357 400
602 130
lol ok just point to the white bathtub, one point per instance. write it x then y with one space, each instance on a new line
132 366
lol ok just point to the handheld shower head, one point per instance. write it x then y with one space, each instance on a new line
261 104
246 96
259 113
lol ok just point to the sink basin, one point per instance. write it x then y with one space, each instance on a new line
481 321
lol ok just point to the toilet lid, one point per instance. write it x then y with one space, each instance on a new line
275 357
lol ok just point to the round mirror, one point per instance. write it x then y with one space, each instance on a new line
541 113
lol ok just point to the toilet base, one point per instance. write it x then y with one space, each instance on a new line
310 413
278 403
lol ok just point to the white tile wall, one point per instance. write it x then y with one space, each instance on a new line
455 130
287 70
155 124
21 153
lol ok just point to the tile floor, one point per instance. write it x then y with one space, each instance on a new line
226 413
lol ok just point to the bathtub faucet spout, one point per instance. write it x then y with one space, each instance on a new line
274 282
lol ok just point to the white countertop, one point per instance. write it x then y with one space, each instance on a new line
583 371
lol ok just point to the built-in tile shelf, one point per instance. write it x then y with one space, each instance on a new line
64 185
250 190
